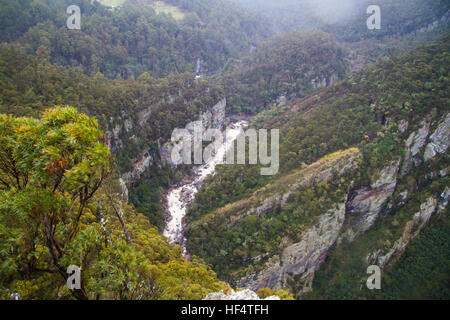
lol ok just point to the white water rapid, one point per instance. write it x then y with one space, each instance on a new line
181 197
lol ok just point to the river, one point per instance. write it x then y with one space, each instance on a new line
180 197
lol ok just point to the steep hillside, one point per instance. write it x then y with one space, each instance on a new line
346 19
133 38
137 115
285 66
363 209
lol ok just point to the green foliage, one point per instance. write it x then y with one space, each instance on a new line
267 292
420 273
423 271
60 206
361 111
290 65
146 194
132 39
347 19
28 85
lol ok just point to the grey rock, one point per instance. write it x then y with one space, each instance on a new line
302 259
414 145
214 118
411 231
128 125
145 114
365 204
403 126
440 140
245 294
138 168
444 198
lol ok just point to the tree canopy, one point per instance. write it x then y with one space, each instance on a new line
61 205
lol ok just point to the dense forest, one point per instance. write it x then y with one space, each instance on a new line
135 44
346 19
133 38
286 66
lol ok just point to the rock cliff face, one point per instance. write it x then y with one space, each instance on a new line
414 145
295 267
439 143
145 114
299 261
213 118
442 21
440 140
325 81
138 168
364 205
116 129
411 230
321 171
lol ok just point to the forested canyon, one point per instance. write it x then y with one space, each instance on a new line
87 170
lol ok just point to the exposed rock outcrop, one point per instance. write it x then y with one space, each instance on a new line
117 126
414 145
245 294
138 168
320 171
440 140
124 190
445 197
324 81
302 259
364 205
403 125
214 118
431 26
411 231
145 114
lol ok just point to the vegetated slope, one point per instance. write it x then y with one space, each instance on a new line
285 66
404 24
346 19
138 115
133 38
365 209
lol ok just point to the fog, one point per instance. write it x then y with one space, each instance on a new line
328 11
334 10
